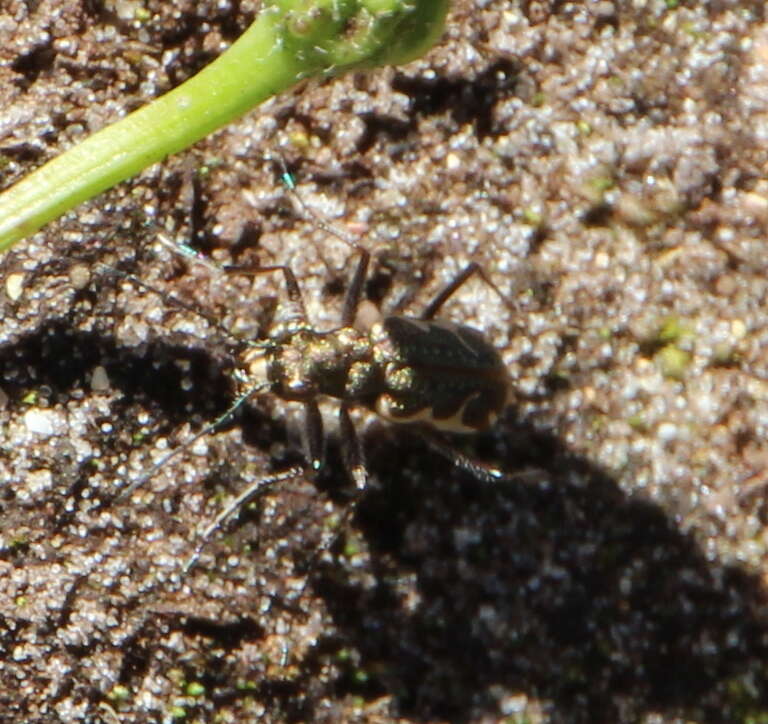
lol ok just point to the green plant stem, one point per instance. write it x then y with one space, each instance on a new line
290 40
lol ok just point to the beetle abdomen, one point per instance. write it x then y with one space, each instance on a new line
440 373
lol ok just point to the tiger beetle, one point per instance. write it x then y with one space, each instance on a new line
427 373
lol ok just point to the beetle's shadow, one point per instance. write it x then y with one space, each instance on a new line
56 358
557 587
174 383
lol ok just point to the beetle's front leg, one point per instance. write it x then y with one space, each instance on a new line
313 436
352 450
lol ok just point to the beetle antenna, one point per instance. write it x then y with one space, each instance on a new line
308 212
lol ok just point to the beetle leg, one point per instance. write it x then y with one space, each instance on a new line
169 299
313 432
354 461
313 435
355 290
291 285
352 450
480 470
443 296
252 491
239 402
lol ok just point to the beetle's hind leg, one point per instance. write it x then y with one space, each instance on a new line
432 309
480 470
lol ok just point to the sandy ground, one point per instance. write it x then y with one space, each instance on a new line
606 163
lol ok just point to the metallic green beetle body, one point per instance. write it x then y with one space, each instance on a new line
406 369
409 370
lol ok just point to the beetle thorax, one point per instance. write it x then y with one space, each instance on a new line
307 363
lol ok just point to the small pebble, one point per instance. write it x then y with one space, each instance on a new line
99 379
41 422
14 285
667 431
79 276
